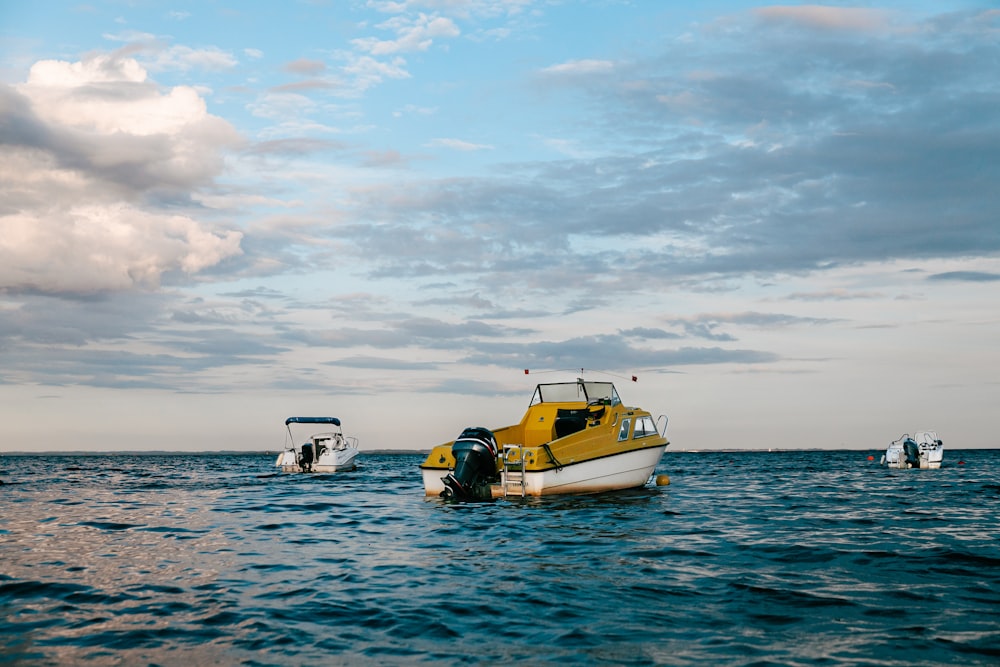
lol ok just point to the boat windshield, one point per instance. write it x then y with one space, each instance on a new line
570 392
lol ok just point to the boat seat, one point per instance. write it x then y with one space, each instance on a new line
569 422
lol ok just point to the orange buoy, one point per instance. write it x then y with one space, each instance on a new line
662 480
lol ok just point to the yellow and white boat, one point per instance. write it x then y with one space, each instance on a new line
576 437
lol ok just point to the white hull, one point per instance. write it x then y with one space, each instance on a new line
433 483
611 473
903 465
931 452
336 461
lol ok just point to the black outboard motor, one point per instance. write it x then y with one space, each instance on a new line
475 453
912 451
307 456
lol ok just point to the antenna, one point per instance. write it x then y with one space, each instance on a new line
634 378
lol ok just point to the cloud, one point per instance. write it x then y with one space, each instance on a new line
708 326
281 104
412 34
306 86
156 55
39 319
805 142
305 67
221 346
770 167
184 58
457 144
580 67
89 151
383 159
383 363
462 8
362 72
613 352
834 295
469 387
824 17
706 330
92 248
650 333
91 339
259 292
402 331
296 146
966 276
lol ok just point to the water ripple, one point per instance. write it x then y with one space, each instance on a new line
797 558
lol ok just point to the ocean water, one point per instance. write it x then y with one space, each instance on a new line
749 558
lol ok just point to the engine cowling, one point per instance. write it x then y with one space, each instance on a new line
475 452
912 452
306 460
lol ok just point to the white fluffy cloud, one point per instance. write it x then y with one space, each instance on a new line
413 34
88 150
105 95
105 247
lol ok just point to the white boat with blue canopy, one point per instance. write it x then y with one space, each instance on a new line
326 451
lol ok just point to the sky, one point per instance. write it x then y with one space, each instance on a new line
781 219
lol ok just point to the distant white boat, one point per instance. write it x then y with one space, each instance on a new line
329 451
923 450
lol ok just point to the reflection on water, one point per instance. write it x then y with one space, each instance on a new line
780 558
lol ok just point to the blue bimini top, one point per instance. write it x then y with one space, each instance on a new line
312 420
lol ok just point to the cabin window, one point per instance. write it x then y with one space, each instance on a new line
644 426
623 431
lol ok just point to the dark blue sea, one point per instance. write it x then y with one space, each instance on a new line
749 558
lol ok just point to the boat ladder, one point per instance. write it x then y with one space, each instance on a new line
512 472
